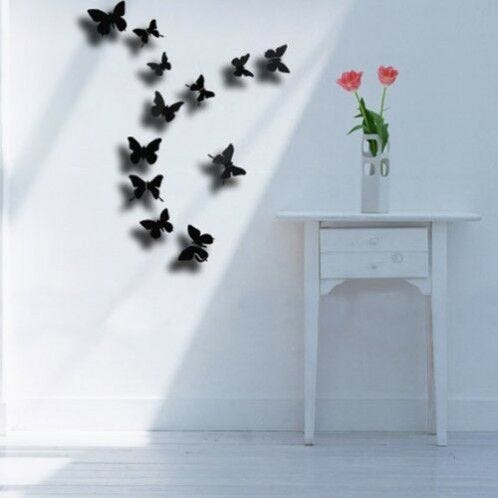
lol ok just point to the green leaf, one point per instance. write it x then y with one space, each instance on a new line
357 127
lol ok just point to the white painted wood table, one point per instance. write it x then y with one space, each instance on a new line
339 246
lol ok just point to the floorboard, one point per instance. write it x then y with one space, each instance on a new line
242 464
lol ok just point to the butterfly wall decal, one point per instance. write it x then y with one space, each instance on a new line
160 67
197 249
198 86
141 186
107 20
147 152
156 227
225 159
144 33
274 62
239 63
160 109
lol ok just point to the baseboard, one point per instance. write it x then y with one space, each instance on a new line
242 414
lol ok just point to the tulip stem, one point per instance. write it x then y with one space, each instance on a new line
382 101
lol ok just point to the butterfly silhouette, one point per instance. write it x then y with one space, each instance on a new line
198 86
139 152
239 63
225 159
155 227
144 33
160 67
275 60
161 109
141 186
196 250
112 19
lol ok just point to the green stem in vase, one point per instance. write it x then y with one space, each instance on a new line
382 101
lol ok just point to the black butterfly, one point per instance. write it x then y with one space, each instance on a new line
161 109
141 186
225 159
147 152
157 226
239 63
198 86
160 67
107 20
144 33
275 60
196 249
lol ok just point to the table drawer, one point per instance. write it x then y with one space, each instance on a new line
374 264
373 239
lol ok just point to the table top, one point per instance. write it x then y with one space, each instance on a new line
394 216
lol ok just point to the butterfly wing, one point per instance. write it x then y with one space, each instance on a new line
225 175
187 254
198 85
244 59
119 9
165 64
272 65
208 94
218 159
139 185
142 34
117 16
239 71
236 171
271 54
157 68
164 221
154 185
280 51
246 72
282 67
136 150
152 29
205 238
200 254
171 110
153 227
159 106
194 233
151 149
103 19
228 154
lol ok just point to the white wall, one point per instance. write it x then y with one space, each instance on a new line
101 333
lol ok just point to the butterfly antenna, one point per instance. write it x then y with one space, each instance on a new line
209 155
160 198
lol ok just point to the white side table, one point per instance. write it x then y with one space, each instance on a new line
408 245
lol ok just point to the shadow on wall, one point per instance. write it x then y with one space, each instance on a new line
246 293
242 297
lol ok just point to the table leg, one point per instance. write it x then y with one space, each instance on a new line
431 422
439 286
311 301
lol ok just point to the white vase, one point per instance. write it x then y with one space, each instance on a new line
375 177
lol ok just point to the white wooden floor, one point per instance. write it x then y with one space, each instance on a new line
248 464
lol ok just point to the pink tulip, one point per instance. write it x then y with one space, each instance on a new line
350 80
387 75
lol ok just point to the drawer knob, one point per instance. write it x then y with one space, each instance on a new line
373 241
397 257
